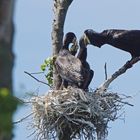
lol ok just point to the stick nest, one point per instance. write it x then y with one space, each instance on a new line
75 112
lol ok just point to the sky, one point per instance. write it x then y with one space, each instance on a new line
32 45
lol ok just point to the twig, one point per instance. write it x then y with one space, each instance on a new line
124 102
19 100
37 79
19 121
23 101
36 72
104 86
82 121
105 67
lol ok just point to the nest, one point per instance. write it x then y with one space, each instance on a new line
75 114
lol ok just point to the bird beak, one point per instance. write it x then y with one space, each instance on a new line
86 40
75 45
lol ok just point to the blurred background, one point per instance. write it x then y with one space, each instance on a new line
32 45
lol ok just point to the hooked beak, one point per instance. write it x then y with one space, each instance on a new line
74 45
86 39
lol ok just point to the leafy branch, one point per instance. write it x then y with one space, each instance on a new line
48 66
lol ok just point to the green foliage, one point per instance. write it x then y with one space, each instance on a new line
8 105
48 66
7 102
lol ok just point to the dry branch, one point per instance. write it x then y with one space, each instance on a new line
105 67
104 86
30 74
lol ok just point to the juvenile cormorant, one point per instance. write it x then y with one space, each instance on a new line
82 55
127 40
73 50
68 66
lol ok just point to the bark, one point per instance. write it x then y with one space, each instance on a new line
60 10
6 53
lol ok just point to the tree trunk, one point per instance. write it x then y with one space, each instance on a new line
6 55
60 11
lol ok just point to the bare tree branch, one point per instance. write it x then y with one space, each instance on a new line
105 67
104 86
37 79
23 119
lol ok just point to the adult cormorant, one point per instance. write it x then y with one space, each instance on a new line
127 40
68 66
82 55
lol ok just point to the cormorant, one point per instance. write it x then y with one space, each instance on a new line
127 40
68 66
82 55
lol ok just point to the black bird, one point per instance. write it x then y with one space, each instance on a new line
82 55
73 50
68 66
127 40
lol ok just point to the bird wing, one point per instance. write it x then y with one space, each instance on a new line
125 34
69 68
129 38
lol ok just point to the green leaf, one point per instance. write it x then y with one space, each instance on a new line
48 66
4 92
43 67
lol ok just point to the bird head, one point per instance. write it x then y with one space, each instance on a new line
73 49
70 37
93 38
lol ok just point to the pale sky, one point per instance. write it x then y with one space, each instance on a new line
33 20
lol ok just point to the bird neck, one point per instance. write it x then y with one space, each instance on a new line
82 55
101 40
73 53
97 39
66 46
64 50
